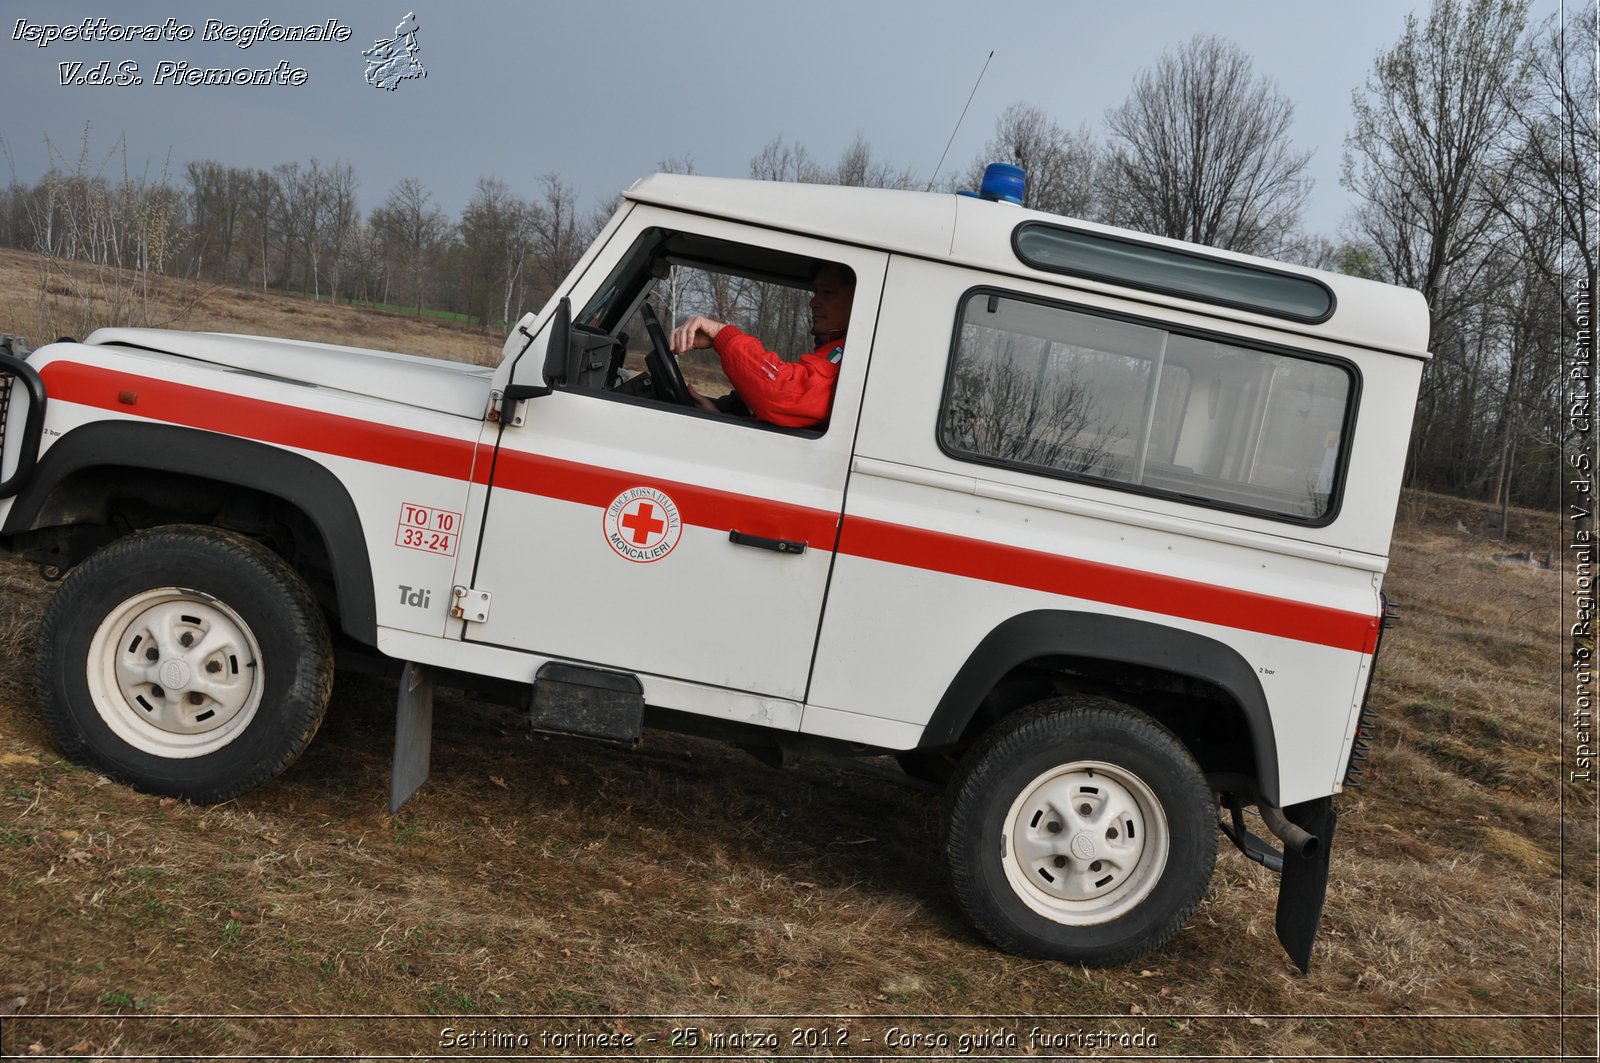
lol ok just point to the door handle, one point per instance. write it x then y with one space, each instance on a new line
782 546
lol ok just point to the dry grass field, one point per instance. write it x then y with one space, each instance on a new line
45 298
542 887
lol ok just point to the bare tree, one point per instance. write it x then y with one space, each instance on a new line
1061 167
215 204
362 265
1200 151
1529 308
288 222
497 239
559 234
311 190
103 244
1550 199
1422 157
858 168
337 191
777 161
261 196
1557 143
1426 158
1350 257
413 232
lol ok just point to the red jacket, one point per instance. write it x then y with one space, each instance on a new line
791 394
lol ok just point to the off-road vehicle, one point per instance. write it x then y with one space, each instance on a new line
1092 537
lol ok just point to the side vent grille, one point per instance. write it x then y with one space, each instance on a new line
1365 726
6 381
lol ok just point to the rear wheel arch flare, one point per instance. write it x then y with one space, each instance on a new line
1053 633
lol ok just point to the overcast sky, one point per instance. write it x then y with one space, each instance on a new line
600 91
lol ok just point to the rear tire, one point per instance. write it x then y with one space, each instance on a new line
1080 830
186 661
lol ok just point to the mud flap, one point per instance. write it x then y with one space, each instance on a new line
1305 881
413 735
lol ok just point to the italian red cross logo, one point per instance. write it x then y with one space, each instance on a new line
639 518
642 525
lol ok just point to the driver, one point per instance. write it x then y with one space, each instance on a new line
790 394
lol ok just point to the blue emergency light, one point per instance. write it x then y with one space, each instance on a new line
1002 183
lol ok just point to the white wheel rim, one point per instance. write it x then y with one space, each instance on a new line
1085 843
175 673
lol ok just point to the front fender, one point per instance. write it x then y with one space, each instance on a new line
227 460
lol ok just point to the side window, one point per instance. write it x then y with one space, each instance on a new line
1079 395
770 297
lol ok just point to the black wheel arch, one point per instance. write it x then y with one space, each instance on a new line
226 461
1047 633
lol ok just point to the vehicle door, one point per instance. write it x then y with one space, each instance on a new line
629 533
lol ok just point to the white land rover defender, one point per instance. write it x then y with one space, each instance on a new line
1092 537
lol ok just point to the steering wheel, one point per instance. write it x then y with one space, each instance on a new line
666 375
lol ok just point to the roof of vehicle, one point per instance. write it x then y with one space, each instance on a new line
978 233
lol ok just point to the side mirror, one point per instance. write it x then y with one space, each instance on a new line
556 367
553 369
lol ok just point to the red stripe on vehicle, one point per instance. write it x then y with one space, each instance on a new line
594 485
269 422
1092 580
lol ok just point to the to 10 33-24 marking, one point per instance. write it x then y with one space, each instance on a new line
434 531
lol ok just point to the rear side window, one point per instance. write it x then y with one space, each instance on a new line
1059 391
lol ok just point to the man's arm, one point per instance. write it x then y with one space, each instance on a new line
791 394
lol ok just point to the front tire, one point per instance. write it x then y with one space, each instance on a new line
1080 830
186 661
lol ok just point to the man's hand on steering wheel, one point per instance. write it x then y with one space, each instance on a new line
697 333
666 375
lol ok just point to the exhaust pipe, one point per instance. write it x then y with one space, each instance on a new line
1294 838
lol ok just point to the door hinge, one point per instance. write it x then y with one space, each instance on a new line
507 408
470 605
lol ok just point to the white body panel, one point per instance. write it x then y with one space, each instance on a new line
425 383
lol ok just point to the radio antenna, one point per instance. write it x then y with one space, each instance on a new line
957 129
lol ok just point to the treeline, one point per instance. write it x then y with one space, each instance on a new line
1470 159
301 228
